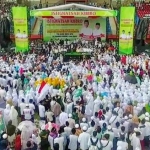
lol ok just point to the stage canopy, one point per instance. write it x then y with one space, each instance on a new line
74 10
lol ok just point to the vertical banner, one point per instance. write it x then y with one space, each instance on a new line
126 32
74 28
20 28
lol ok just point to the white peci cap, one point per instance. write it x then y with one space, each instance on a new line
43 127
84 119
70 115
76 126
146 118
84 128
136 129
125 117
27 105
109 127
147 114
4 136
92 118
130 116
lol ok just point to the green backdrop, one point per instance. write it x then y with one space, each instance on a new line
126 32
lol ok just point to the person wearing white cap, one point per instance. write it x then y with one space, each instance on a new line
84 123
78 130
4 136
71 121
4 141
83 139
126 124
110 132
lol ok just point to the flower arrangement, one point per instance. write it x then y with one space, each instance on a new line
55 82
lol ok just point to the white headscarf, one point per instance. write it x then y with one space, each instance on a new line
13 113
7 109
25 134
34 138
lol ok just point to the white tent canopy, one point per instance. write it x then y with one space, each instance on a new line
73 5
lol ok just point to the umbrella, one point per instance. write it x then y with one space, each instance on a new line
131 79
30 125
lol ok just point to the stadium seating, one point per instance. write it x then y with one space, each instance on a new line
143 9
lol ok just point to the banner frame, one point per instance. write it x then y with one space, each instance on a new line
21 33
133 49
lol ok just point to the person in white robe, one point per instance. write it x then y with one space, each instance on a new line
83 139
114 119
89 107
97 103
73 140
60 140
6 114
84 123
91 128
71 121
135 140
63 117
119 110
25 136
14 116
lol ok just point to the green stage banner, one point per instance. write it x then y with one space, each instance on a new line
127 15
74 28
99 13
20 28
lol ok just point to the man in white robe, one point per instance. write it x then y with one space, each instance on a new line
83 139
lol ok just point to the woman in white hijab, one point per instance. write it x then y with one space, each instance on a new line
25 136
6 114
14 116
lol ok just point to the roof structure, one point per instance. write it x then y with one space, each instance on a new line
73 6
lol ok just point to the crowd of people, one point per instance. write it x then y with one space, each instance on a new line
97 103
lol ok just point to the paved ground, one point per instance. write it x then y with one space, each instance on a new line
2 105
